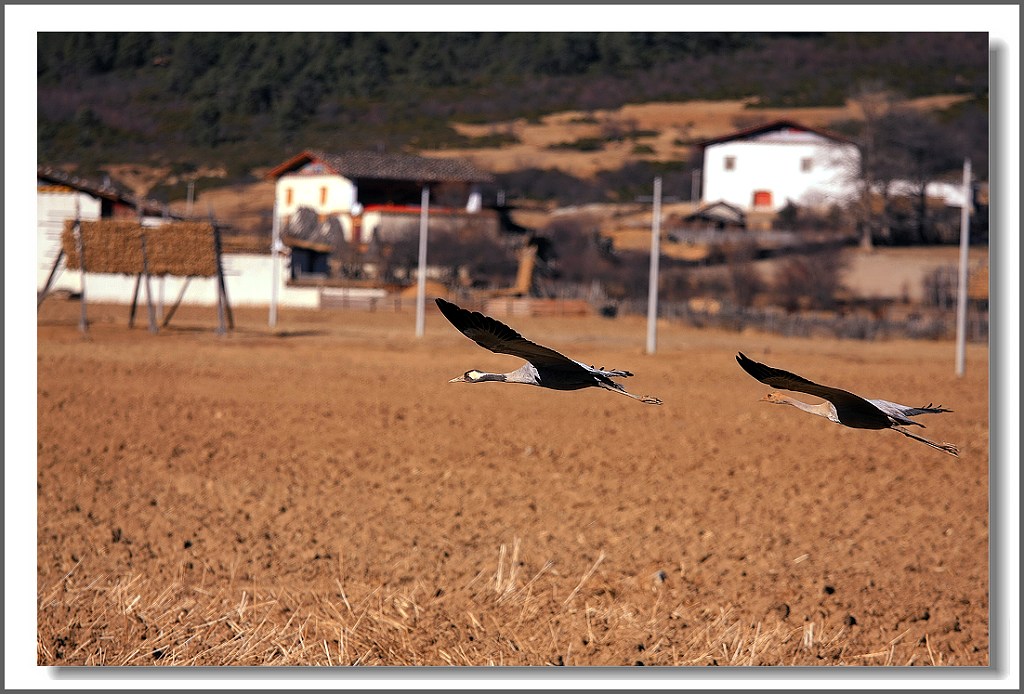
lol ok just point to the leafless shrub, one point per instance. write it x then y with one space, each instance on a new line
745 280
484 258
675 284
584 257
804 218
941 287
810 281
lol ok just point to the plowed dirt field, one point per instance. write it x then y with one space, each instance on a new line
320 494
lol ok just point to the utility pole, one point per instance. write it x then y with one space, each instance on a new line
961 294
83 320
275 270
421 276
652 292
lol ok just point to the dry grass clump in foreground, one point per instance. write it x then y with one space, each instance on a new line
502 617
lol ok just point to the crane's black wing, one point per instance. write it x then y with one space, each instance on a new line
852 410
499 338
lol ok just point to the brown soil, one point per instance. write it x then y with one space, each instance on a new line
319 494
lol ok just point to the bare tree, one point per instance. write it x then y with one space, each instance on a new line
923 152
875 170
482 257
897 144
744 279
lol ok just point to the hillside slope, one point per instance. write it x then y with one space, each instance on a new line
667 131
657 131
239 100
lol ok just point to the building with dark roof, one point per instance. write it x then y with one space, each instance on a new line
385 167
332 205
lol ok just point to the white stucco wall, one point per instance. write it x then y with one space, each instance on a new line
952 194
774 165
330 195
306 192
247 277
52 208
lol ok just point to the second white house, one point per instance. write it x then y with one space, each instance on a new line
767 166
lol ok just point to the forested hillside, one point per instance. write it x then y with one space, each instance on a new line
244 100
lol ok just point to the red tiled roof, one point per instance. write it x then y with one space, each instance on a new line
408 209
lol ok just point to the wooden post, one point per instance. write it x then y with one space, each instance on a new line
181 294
160 298
83 319
220 303
223 307
144 274
135 301
49 279
149 296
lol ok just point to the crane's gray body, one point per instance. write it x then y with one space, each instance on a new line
544 367
843 407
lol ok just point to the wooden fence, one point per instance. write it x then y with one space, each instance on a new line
926 324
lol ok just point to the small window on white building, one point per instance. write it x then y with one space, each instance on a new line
730 163
323 196
806 164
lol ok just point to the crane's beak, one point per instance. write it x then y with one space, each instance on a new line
458 379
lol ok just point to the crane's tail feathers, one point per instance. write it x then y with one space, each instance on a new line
942 446
616 373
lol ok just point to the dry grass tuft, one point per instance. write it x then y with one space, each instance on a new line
504 617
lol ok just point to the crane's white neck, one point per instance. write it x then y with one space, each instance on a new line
475 376
526 373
